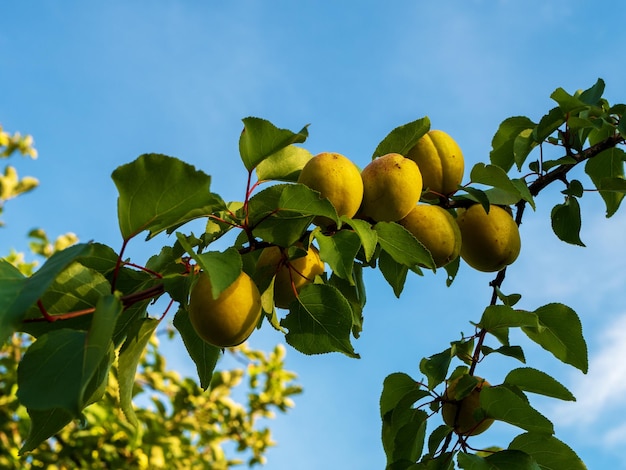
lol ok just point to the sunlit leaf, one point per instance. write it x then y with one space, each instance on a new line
284 165
339 251
403 247
260 139
403 138
608 166
560 333
503 142
320 322
157 192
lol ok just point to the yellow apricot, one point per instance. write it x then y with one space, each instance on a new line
290 274
392 186
437 230
440 160
490 241
231 318
337 179
460 414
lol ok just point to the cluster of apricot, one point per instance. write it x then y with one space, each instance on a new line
391 188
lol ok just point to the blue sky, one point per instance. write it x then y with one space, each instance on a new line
98 84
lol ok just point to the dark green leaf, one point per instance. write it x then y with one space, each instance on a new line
549 452
535 381
129 357
437 436
567 103
402 245
607 164
393 272
284 165
43 424
403 138
548 124
452 269
498 316
203 354
396 386
505 405
260 138
157 192
339 251
560 333
320 321
368 236
566 221
435 367
593 95
574 188
502 460
515 352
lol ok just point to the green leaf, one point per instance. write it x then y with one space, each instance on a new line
396 386
505 405
157 193
393 272
492 175
402 245
339 251
515 352
261 139
523 144
452 268
502 460
403 138
608 165
437 436
18 293
320 321
129 357
284 165
496 317
548 124
44 424
592 95
281 213
367 235
51 375
567 102
560 333
99 340
203 354
566 221
223 268
535 381
549 452
355 294
503 142
435 367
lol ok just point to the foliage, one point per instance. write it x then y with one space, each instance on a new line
78 325
177 426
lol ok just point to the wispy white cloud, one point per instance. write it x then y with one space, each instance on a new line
601 394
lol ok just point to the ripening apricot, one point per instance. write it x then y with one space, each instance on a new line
392 185
490 241
461 415
337 179
440 160
437 230
229 319
290 273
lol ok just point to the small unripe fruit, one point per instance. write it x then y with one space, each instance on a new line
461 414
490 241
392 186
231 318
299 271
